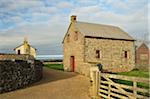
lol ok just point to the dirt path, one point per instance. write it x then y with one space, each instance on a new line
54 85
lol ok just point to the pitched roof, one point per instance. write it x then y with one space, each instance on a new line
22 44
99 30
138 43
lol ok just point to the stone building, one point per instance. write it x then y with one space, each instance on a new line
142 56
25 48
87 44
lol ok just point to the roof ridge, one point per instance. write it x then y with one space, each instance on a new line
97 24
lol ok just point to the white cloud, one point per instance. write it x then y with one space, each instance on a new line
136 23
42 34
19 4
64 5
46 25
86 10
87 2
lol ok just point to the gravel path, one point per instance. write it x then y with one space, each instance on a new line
54 85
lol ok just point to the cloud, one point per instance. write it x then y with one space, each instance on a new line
45 22
88 9
135 22
87 2
64 5
20 4
39 34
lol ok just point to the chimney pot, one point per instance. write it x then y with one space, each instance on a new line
73 18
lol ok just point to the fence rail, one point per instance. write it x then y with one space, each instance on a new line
115 86
52 62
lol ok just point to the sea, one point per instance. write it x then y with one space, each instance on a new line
49 57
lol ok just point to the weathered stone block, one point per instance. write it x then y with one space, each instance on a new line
18 74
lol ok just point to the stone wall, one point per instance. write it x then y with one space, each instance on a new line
18 74
112 54
16 57
83 49
73 47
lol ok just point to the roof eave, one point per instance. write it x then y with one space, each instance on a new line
109 38
66 33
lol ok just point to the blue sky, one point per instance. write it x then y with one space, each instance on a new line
45 22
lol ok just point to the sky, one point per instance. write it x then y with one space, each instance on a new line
45 22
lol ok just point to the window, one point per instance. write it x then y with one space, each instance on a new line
125 54
76 36
18 52
98 54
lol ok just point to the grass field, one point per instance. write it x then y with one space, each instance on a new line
55 66
136 73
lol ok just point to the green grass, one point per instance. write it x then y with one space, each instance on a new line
136 73
55 66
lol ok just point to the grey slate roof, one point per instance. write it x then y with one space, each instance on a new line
99 30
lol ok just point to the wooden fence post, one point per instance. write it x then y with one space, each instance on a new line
135 89
109 90
94 74
97 83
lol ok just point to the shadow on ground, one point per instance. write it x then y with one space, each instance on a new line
50 75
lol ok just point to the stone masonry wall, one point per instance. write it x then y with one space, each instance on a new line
74 48
16 57
112 54
18 74
84 49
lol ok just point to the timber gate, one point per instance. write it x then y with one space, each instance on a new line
113 86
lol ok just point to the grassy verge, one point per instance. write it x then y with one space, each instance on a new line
55 66
135 73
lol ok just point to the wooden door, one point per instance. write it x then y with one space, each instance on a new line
72 63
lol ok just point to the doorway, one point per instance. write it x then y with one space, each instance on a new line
72 63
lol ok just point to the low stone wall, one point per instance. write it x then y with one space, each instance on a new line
18 74
24 57
144 67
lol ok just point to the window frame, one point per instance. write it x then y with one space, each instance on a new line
98 54
126 54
